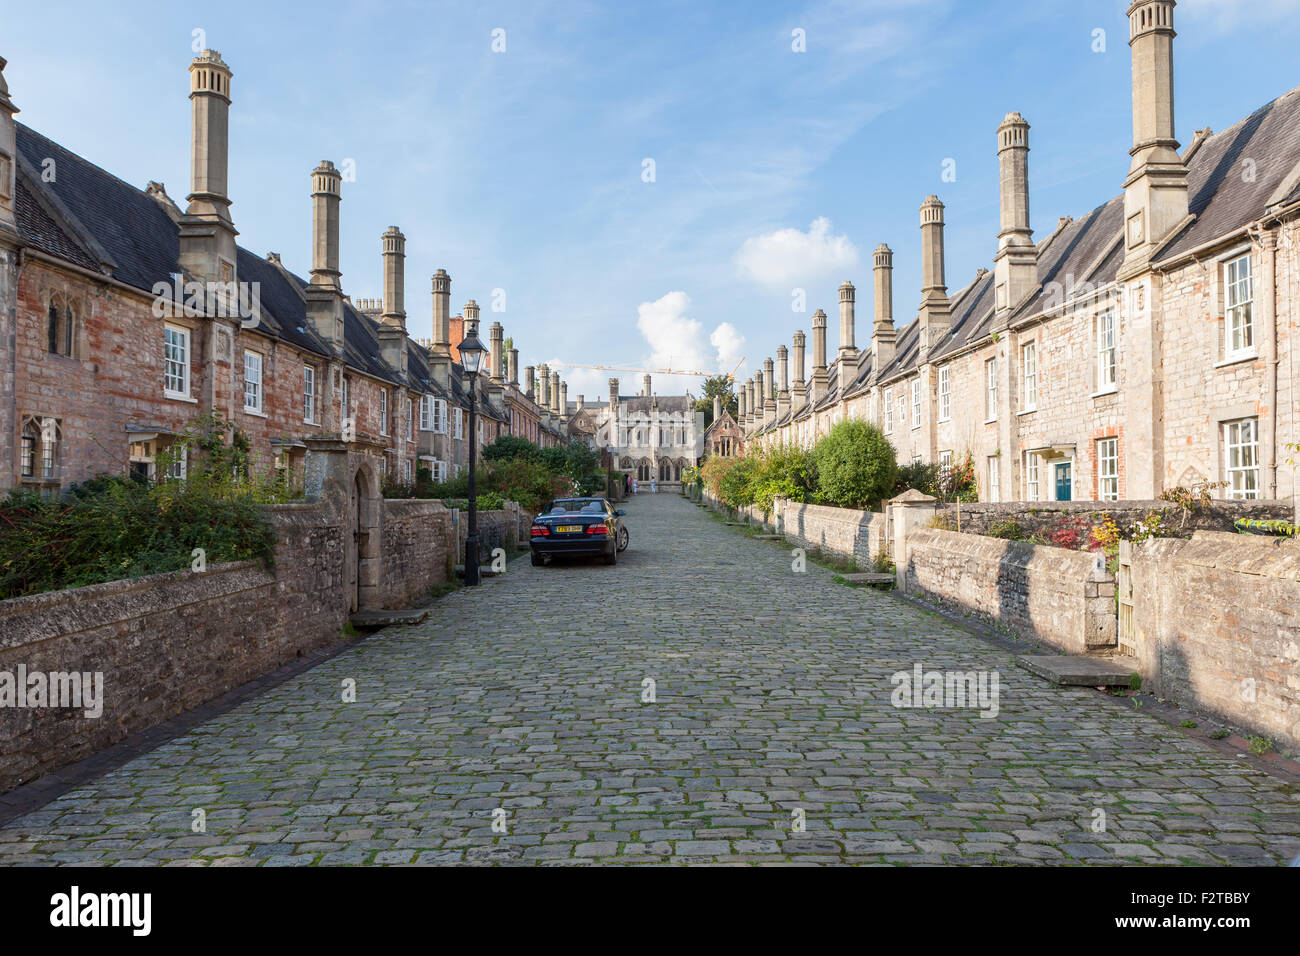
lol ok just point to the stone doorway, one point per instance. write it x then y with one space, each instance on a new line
363 551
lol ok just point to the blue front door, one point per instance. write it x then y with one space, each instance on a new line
1063 472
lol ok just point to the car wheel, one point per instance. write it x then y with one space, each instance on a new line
612 557
538 560
622 539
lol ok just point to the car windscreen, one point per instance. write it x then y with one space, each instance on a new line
576 506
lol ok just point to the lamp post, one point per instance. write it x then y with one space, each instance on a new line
471 359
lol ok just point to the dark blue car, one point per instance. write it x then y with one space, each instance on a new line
578 526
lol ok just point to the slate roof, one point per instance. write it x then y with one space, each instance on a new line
89 217
667 403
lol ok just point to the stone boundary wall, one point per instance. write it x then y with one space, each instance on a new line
416 538
1063 598
1045 516
1216 621
506 528
859 535
167 643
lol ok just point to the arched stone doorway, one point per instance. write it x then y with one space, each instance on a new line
363 553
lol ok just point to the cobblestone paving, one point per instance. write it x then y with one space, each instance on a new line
772 696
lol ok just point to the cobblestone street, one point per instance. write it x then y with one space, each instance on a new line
772 696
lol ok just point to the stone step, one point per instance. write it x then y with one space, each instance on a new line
869 577
373 620
1079 671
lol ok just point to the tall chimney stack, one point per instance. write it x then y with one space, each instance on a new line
799 391
848 353
324 294
206 252
564 399
1015 266
742 404
883 334
394 252
496 352
820 377
759 399
645 386
554 393
392 321
1155 192
769 390
530 373
543 394
934 316
613 412
514 367
717 407
783 392
8 162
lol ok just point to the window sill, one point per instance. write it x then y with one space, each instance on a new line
990 421
306 421
255 413
944 421
1111 390
1027 411
178 397
1235 359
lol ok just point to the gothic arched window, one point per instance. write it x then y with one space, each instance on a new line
54 327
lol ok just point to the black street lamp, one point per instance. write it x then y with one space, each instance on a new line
471 359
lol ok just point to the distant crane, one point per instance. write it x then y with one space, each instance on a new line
731 376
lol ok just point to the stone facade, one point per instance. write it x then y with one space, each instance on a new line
1109 360
649 436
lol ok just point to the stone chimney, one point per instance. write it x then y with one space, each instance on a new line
769 390
529 380
883 334
799 391
324 294
514 367
564 399
848 353
820 377
613 411
441 313
554 393
496 352
543 395
470 312
1015 266
645 386
756 408
783 391
392 322
207 234
580 403
1155 192
8 160
717 407
742 404
934 316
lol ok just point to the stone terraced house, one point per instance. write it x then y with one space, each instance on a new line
123 318
1148 344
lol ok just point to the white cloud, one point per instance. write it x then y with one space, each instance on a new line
729 343
678 341
788 256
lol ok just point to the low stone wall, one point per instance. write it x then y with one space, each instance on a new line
859 535
415 547
506 528
1216 624
1063 598
1044 517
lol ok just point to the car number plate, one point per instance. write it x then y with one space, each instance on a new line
568 528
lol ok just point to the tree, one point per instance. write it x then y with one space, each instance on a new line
855 465
720 386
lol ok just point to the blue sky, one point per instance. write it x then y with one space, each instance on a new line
522 170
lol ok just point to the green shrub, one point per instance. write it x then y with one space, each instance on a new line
489 501
511 446
919 475
786 471
855 465
1009 529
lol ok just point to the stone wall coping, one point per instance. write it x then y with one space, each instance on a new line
1155 504
37 617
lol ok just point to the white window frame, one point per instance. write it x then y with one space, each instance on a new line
1107 352
1029 374
945 393
945 465
991 389
180 465
180 363
889 411
1108 469
916 403
1238 307
460 423
995 479
254 366
410 419
426 413
383 411
1241 458
440 416
309 394
1033 484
